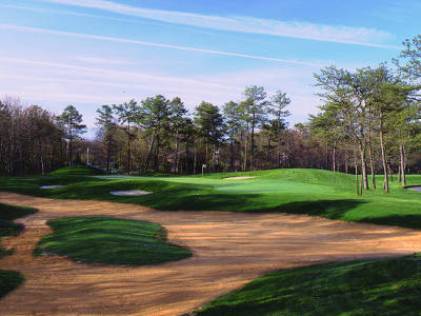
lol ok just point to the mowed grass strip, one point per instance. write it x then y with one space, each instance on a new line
109 240
370 287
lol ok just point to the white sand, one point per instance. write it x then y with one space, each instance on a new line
418 189
130 193
51 187
239 178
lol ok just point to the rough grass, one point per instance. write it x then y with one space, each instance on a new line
298 191
110 241
9 280
370 287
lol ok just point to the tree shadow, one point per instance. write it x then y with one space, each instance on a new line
408 221
333 209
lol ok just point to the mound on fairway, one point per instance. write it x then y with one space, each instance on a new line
77 171
9 280
110 241
370 287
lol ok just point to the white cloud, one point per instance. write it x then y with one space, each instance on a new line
153 44
57 84
302 30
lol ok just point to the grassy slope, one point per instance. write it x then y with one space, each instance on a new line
314 192
110 240
384 287
370 287
79 170
9 280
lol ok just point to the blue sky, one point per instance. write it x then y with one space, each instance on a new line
94 52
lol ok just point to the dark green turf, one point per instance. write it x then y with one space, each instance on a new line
110 241
9 280
370 287
8 213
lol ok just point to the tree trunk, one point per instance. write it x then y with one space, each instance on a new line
363 166
334 158
177 150
245 153
357 178
402 164
384 161
149 155
372 169
232 162
252 145
157 152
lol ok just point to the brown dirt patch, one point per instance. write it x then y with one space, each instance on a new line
230 249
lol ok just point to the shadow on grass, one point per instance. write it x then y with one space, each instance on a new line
408 221
333 209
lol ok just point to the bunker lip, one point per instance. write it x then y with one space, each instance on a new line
130 193
51 187
239 178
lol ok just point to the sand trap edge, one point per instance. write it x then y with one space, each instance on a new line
130 193
239 178
51 187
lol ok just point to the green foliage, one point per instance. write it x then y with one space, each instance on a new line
110 241
9 280
370 287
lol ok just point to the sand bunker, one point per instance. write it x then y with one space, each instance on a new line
51 187
230 249
418 188
130 193
239 178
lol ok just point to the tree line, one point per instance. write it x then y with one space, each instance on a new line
369 123
372 115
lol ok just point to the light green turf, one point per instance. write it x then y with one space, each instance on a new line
299 191
94 239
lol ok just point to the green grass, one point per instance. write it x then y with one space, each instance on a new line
8 213
298 191
78 170
369 287
9 280
110 241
